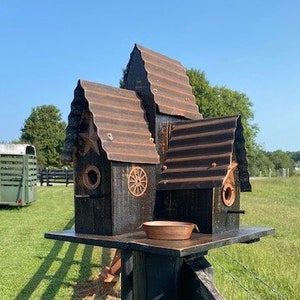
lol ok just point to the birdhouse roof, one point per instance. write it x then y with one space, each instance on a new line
119 121
164 80
202 152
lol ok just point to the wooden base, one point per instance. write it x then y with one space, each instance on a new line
138 241
161 269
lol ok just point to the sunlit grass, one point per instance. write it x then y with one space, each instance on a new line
275 259
33 267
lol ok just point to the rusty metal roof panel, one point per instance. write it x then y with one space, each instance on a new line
200 154
120 122
167 81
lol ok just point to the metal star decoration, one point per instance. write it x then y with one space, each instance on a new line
90 139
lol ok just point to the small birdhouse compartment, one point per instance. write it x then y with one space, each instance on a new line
202 173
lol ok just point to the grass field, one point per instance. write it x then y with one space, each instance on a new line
36 268
275 259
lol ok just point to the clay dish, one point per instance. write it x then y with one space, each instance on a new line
168 230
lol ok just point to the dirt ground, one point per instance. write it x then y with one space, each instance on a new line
96 289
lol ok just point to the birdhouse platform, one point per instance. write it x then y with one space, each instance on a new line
170 265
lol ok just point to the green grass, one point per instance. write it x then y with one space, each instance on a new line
33 267
275 259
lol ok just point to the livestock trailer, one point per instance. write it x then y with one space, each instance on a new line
18 174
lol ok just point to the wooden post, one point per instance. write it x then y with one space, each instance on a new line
47 177
127 275
160 269
198 280
157 276
167 277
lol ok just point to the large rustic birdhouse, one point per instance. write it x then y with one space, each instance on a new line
203 173
145 153
114 160
148 144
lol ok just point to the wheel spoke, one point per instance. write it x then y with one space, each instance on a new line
137 181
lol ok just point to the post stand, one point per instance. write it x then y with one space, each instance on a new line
157 276
127 275
160 269
199 284
166 277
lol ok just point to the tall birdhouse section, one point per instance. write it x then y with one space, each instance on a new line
163 86
145 152
114 160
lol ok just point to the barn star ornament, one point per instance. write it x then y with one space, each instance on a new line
90 139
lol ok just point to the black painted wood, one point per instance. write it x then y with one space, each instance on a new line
127 275
138 241
157 276
197 282
203 207
160 269
111 209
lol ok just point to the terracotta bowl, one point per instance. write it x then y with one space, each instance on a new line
168 230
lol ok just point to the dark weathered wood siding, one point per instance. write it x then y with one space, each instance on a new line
203 207
128 211
93 212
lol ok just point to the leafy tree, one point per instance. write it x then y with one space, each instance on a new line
295 156
45 130
281 160
221 101
260 163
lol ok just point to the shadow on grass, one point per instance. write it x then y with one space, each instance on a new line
57 280
95 287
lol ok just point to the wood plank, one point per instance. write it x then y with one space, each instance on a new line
137 241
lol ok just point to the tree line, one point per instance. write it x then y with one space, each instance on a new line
45 129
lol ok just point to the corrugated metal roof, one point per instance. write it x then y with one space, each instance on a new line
168 81
201 152
120 122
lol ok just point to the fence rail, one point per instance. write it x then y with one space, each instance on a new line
55 176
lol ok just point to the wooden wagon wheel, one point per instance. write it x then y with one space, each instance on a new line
137 181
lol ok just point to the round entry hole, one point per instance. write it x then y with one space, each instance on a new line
228 194
91 177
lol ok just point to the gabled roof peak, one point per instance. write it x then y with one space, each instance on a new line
201 152
161 80
119 121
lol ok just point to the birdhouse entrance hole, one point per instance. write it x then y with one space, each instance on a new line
91 177
228 194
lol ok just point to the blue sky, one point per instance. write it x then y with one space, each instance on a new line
249 46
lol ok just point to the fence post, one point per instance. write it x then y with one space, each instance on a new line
41 172
66 176
47 176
